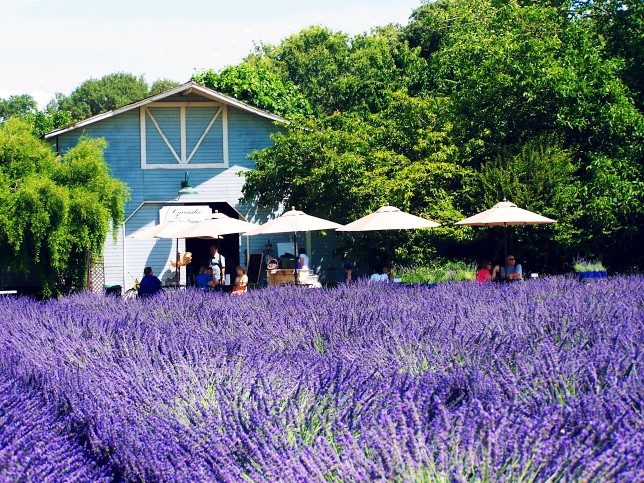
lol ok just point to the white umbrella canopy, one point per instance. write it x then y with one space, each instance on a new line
166 229
218 224
294 221
389 218
503 214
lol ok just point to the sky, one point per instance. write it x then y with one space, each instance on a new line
54 46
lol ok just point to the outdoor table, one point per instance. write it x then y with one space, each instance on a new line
281 276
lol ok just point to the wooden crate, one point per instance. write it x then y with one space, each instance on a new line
282 276
279 276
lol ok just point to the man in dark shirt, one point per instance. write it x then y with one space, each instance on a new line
150 284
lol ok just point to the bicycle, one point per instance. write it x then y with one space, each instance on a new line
133 292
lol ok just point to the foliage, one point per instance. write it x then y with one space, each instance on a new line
356 163
46 121
19 106
583 265
363 383
259 86
338 73
95 96
621 23
472 102
161 85
54 209
436 272
541 166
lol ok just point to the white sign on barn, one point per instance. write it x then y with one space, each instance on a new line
193 214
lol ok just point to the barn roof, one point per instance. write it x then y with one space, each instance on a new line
183 91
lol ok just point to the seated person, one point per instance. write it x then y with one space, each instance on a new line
203 279
385 276
511 270
485 272
241 281
149 285
303 260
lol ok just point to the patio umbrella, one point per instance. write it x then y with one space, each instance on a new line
294 221
166 229
503 214
389 218
218 224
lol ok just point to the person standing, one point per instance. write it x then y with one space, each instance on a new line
150 284
217 264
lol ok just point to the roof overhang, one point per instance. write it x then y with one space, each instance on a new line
184 89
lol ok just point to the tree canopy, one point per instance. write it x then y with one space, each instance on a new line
473 101
54 210
95 96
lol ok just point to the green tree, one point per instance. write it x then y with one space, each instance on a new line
347 165
252 82
54 210
514 73
161 85
96 96
621 24
19 106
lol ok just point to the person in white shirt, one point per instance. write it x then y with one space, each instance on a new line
217 264
381 277
303 261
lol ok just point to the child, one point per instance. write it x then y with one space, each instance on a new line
241 281
203 280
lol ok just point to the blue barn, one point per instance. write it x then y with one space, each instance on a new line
154 144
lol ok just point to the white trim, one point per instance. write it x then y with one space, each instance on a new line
182 129
191 86
205 133
185 167
165 139
182 162
144 149
224 134
186 104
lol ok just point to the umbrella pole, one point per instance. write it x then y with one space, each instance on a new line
295 256
505 249
178 268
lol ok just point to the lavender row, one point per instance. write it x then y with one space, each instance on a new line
459 381
36 445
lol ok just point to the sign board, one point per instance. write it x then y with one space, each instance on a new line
191 213
255 262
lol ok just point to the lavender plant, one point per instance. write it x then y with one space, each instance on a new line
540 381
35 445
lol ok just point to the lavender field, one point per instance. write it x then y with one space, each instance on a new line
541 381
